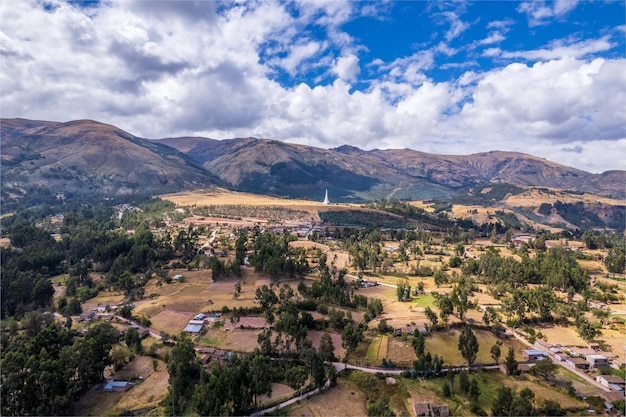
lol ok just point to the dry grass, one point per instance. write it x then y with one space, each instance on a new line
534 198
343 400
219 197
400 353
445 343
240 340
562 335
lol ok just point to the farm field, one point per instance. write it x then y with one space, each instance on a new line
445 343
343 400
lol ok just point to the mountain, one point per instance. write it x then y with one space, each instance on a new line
274 167
85 156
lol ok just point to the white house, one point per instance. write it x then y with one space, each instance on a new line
596 361
608 380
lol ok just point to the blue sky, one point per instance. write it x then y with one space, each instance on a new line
545 78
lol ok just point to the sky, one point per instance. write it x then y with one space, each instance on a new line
544 78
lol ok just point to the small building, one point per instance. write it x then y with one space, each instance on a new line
177 277
608 380
193 328
199 316
533 355
201 322
617 363
560 356
117 386
597 361
87 316
577 363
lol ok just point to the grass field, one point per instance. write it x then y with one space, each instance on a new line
424 301
376 351
445 343
346 399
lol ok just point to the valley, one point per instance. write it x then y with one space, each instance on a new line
268 277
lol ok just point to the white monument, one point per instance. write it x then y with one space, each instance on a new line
326 198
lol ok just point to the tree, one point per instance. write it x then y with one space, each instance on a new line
523 404
473 391
495 352
260 375
381 408
468 345
418 341
440 277
133 341
510 362
464 381
615 260
545 369
296 377
432 316
403 290
502 403
327 348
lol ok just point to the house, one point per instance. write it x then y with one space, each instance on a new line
533 355
199 316
143 332
577 363
560 356
200 322
117 386
617 363
88 316
608 380
430 410
597 361
177 277
193 328
522 367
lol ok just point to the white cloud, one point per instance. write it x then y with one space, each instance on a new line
561 50
494 37
347 67
539 13
207 69
299 53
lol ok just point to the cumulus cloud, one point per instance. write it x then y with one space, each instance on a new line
223 71
347 67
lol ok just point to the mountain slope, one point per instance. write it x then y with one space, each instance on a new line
268 166
87 156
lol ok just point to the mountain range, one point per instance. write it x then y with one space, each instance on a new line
88 156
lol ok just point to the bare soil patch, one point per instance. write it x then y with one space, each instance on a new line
241 340
171 321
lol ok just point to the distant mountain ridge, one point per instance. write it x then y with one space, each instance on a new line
88 156
270 166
